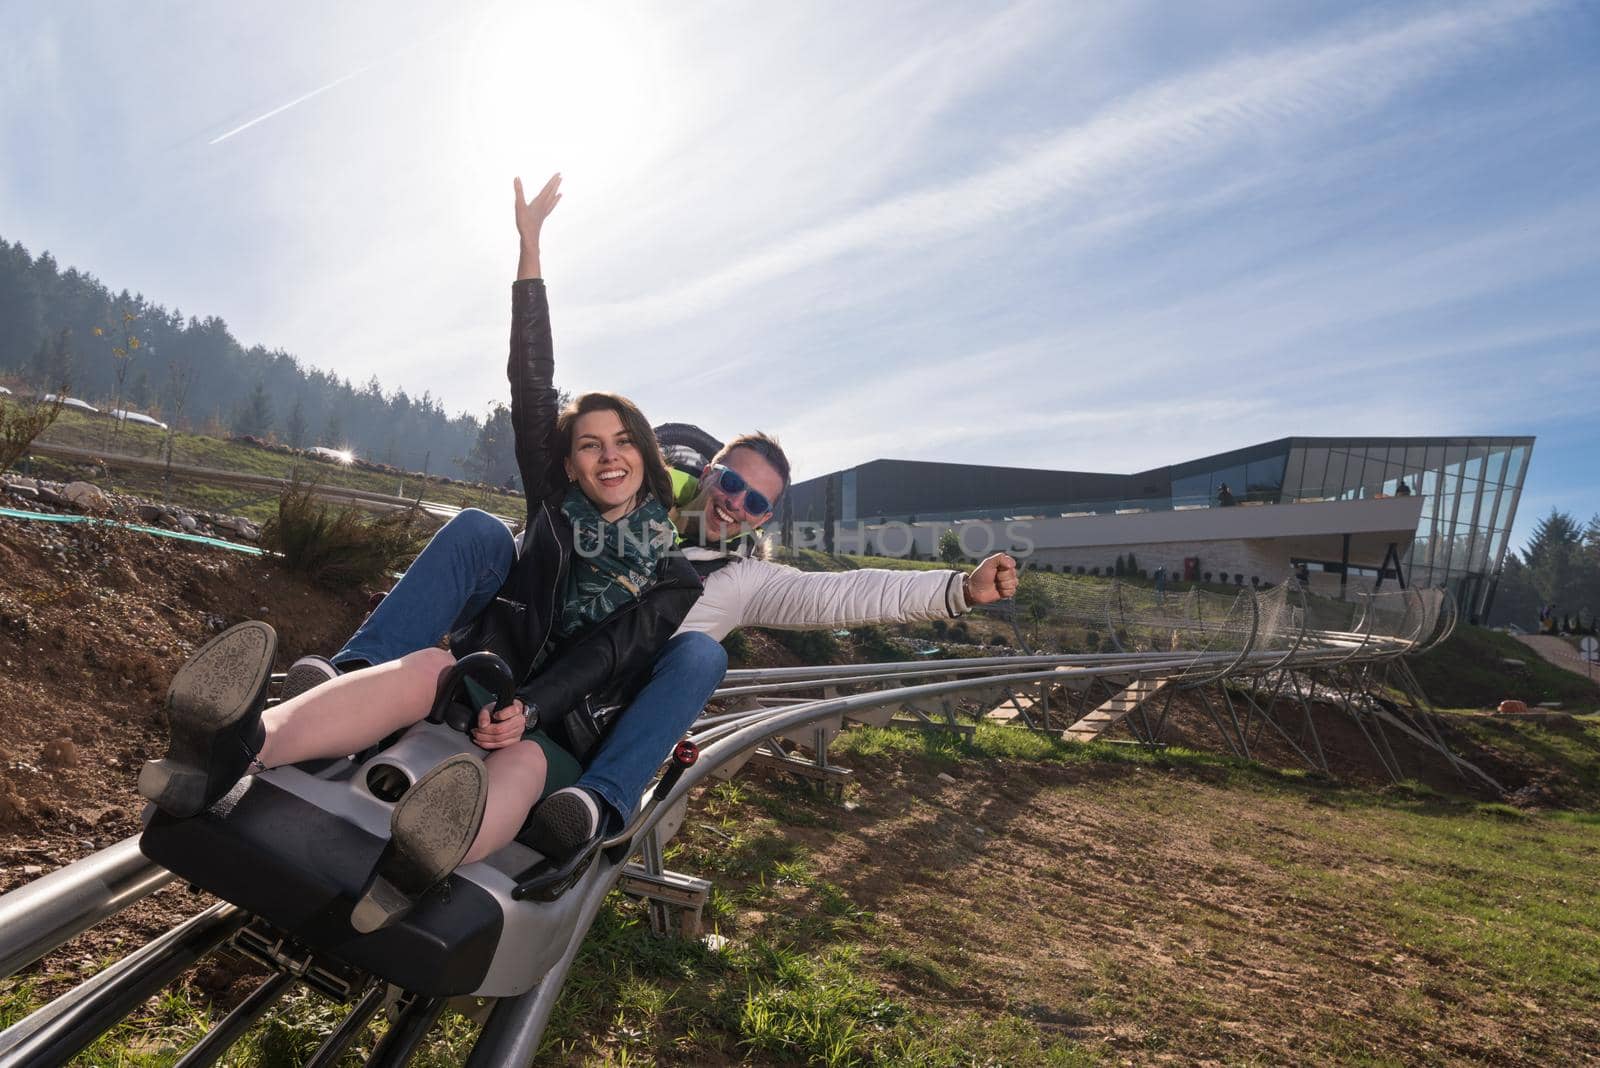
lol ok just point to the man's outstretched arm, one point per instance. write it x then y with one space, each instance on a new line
776 596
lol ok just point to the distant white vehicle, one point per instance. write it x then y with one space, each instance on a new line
338 456
72 402
137 417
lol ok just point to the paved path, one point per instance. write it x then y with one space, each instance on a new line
1558 652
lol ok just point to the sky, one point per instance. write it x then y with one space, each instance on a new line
1088 236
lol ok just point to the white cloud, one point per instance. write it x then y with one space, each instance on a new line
1195 114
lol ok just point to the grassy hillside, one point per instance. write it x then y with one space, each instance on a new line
90 432
1471 671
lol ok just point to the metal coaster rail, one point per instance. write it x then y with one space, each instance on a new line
1257 652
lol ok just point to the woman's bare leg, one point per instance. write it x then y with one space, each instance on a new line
516 779
347 714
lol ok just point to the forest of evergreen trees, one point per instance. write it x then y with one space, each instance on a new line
65 327
1559 569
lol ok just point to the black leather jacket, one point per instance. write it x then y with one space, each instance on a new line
583 681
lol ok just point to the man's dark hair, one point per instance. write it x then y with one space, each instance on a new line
656 480
764 445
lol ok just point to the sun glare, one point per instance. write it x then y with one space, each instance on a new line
580 89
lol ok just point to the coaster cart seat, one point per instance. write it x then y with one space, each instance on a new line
295 846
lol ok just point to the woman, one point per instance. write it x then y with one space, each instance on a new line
593 595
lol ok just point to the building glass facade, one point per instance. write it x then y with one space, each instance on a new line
1470 488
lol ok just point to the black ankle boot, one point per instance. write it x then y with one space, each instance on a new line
214 709
433 826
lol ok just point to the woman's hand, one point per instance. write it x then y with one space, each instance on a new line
531 215
498 730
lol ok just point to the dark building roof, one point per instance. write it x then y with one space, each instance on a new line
901 488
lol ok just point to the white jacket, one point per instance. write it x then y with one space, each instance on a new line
748 592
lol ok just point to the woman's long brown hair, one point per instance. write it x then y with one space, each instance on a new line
656 479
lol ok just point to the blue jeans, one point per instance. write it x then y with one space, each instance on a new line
687 669
456 576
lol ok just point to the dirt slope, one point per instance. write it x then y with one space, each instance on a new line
93 621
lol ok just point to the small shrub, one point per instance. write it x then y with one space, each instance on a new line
738 648
339 547
811 646
950 547
876 645
21 422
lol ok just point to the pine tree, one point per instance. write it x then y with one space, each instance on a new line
254 418
1553 557
296 426
63 365
493 458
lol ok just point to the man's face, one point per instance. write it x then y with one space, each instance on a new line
723 512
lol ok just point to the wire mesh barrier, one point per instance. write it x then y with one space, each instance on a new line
1104 656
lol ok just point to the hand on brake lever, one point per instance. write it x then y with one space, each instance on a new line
496 730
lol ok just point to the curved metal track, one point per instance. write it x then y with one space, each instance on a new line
1214 640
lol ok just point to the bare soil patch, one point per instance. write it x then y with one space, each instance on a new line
1168 915
93 622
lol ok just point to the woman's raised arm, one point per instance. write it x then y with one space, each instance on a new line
531 367
531 215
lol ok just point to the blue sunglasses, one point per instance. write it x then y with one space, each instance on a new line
732 482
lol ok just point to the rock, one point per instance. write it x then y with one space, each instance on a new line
52 498
152 513
84 495
187 522
946 777
61 753
19 489
119 576
10 808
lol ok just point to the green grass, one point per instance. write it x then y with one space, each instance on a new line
1000 744
1495 902
1469 671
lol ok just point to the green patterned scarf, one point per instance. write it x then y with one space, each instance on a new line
611 562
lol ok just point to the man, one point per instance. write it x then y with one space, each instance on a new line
461 569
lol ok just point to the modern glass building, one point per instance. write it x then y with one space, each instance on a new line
1470 488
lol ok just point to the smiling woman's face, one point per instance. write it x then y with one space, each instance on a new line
605 463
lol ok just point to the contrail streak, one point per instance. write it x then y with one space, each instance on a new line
285 107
